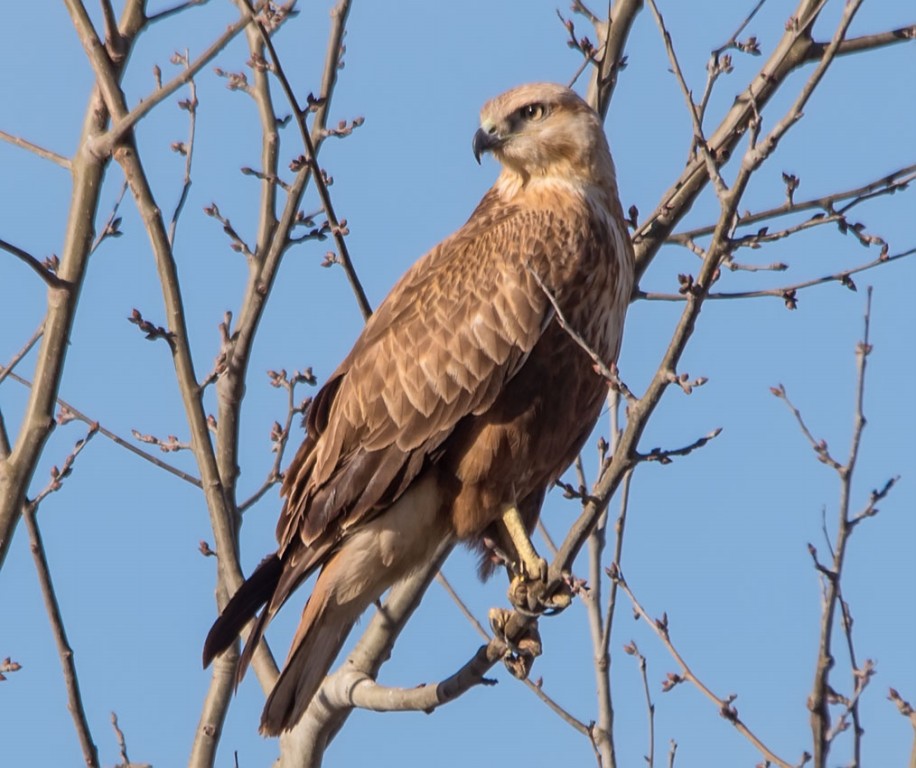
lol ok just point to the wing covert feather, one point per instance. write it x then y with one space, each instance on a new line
457 326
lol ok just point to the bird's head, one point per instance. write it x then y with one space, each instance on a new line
544 130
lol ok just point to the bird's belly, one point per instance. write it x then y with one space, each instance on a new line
515 450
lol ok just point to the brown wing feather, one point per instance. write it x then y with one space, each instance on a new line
443 344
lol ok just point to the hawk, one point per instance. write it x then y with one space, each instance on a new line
463 399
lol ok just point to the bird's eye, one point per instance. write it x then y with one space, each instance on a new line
532 111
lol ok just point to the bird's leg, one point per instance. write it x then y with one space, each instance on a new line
529 590
530 565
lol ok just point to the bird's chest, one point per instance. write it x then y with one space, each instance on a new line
593 289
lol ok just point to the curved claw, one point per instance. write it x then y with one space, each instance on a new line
536 598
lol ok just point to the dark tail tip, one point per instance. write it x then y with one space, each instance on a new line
257 590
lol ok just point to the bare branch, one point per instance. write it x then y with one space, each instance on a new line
58 475
899 180
279 435
356 689
699 139
74 697
177 333
795 49
112 36
818 446
600 366
664 456
631 649
823 694
535 688
787 293
319 725
725 706
186 149
639 412
614 33
40 269
112 227
338 228
87 171
125 122
45 154
175 9
867 42
26 348
69 412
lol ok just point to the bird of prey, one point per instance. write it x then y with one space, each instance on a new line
464 398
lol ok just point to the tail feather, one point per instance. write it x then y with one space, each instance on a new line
321 634
255 592
251 644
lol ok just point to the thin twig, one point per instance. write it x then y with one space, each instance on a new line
122 743
619 529
888 184
59 474
600 365
699 139
785 292
112 227
631 649
186 149
337 229
68 411
87 172
164 14
106 143
663 456
640 411
725 706
730 43
40 269
280 434
43 153
719 64
487 637
548 539
68 664
672 751
822 692
26 348
818 446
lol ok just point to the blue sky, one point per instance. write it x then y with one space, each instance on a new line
716 539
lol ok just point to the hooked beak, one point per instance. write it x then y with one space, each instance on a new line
485 141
